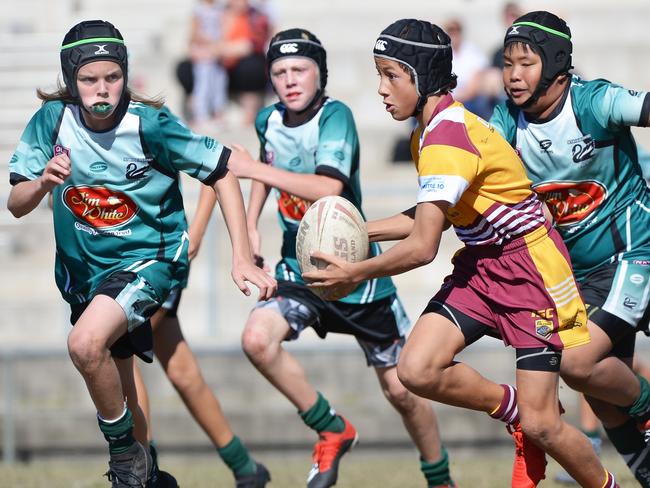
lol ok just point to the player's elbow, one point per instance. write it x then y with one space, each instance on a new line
423 253
16 210
330 186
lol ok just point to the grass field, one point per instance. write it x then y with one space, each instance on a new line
360 469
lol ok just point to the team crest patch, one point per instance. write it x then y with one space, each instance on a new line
544 328
59 149
99 207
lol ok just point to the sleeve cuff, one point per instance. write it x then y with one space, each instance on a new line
325 170
645 111
15 178
221 169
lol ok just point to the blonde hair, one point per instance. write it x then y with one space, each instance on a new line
63 94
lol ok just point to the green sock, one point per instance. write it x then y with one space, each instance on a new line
437 473
321 417
237 458
640 409
118 433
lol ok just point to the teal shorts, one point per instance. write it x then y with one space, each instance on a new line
139 300
617 297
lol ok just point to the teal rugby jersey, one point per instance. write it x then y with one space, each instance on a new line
121 208
584 162
327 144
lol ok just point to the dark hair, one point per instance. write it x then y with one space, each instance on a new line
63 94
524 45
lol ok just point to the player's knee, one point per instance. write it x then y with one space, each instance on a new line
541 429
255 341
86 350
184 376
416 375
575 371
398 396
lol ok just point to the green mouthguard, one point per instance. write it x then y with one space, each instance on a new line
102 108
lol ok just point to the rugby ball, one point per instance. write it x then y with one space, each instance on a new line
332 225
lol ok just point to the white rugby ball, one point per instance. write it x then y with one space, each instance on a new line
334 226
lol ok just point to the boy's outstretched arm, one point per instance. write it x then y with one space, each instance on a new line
420 247
243 267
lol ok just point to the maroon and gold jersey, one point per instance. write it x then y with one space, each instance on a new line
462 160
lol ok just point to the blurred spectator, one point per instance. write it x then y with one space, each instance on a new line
469 64
511 12
246 33
492 77
209 94
231 39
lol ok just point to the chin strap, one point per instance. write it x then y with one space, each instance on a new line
539 91
422 101
315 101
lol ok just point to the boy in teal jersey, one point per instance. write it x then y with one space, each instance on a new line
574 138
310 149
112 162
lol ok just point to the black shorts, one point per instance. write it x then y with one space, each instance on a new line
379 326
170 305
139 339
600 289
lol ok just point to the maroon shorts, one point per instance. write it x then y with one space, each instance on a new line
525 290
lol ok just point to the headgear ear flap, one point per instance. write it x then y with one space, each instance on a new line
425 49
88 41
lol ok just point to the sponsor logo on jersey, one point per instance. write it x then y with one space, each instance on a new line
582 149
432 183
59 149
99 207
545 144
641 262
571 202
289 48
544 328
630 303
269 157
210 143
291 207
637 279
295 162
381 44
98 167
135 173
